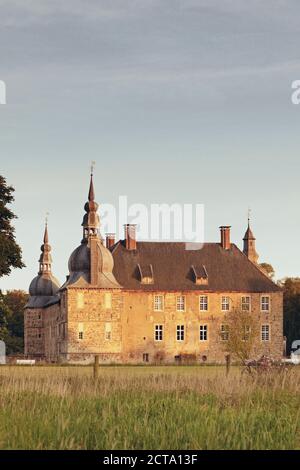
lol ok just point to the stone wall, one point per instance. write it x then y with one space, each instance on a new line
139 320
34 338
119 327
94 324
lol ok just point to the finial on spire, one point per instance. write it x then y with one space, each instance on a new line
249 215
249 242
91 196
46 238
45 258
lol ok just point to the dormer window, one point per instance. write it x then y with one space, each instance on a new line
146 273
200 275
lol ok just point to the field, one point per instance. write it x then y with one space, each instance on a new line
180 407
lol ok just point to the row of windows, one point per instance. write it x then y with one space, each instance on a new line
180 332
265 303
203 333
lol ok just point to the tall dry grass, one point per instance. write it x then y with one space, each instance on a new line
148 408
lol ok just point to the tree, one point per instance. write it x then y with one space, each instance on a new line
291 309
239 334
10 252
268 269
12 320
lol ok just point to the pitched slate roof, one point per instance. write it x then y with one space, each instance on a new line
227 270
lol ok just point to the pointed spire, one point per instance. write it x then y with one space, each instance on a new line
91 221
45 259
249 243
91 196
46 237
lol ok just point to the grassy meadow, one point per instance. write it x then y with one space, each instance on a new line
173 407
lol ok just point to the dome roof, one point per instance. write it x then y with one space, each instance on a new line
80 259
44 285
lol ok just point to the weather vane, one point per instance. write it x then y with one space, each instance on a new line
92 167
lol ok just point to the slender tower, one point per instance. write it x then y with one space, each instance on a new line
43 291
91 264
249 244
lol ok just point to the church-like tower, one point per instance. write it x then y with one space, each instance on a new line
91 264
249 245
44 287
43 291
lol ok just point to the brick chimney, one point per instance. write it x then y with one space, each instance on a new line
130 240
110 239
225 237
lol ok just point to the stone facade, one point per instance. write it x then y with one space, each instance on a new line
139 302
119 326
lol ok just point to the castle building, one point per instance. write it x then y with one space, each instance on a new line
131 301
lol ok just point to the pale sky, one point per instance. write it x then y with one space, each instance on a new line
177 101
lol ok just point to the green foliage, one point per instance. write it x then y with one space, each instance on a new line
268 269
146 408
12 320
291 309
10 252
242 334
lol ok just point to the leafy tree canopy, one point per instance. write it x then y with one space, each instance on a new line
12 320
10 252
268 269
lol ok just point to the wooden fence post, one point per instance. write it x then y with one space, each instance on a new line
228 361
96 368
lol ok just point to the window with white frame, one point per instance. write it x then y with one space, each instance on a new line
203 332
265 303
203 303
180 333
246 303
265 332
158 332
180 303
158 303
224 332
225 304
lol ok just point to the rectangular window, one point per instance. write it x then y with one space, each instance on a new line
265 303
80 300
225 304
108 331
203 332
246 304
158 333
80 330
246 333
265 332
180 333
180 303
107 300
203 303
224 332
158 304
